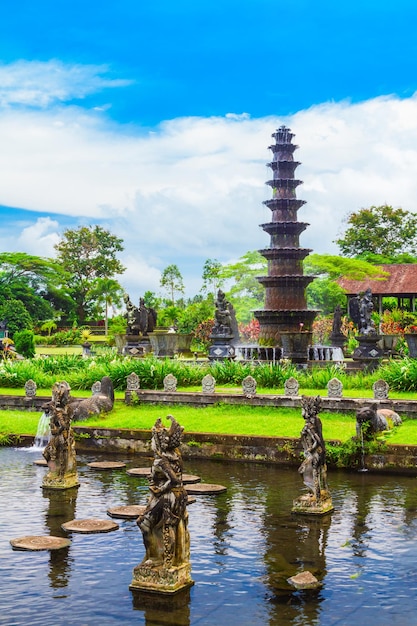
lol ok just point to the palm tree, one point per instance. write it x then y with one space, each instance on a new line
110 294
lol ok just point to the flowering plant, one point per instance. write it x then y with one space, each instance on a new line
411 329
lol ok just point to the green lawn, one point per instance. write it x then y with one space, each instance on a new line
264 421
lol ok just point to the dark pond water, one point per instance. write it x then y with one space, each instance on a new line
244 545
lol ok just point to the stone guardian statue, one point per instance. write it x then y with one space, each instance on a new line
60 451
313 468
166 565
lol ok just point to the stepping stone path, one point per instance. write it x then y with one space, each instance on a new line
41 462
131 511
89 526
146 471
139 471
202 488
34 543
106 465
190 478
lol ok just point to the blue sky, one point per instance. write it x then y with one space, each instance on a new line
154 120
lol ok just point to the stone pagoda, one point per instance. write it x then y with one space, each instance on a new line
285 320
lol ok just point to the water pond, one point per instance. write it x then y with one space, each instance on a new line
244 545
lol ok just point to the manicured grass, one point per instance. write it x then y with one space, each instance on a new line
48 350
237 420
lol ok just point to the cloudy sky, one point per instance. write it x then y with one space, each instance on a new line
153 119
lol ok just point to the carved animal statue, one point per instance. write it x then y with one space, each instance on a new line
371 420
99 403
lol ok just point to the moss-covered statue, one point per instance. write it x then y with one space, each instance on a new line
60 451
313 468
166 565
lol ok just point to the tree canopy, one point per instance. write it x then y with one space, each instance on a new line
88 255
380 230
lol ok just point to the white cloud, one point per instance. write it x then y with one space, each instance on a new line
193 188
39 238
40 84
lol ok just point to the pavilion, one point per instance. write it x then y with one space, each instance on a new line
400 284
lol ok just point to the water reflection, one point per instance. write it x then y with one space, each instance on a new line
61 508
245 543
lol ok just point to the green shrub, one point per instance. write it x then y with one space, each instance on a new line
24 343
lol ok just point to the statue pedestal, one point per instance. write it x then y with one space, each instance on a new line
308 505
368 353
161 579
136 345
55 480
221 348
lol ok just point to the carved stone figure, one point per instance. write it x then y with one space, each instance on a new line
360 310
140 320
208 384
60 451
164 524
335 388
225 324
291 386
249 386
371 420
380 389
101 402
313 468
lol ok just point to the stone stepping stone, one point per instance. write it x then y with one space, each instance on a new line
131 511
202 488
34 543
304 580
106 465
139 471
41 462
190 478
191 500
89 526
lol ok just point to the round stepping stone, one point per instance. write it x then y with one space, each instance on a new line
89 526
41 462
32 542
106 465
191 500
202 488
139 471
126 512
190 478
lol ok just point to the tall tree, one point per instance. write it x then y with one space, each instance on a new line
380 230
31 279
212 276
172 281
88 255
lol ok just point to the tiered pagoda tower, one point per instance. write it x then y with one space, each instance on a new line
285 320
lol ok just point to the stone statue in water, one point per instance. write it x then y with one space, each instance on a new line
166 565
313 468
60 451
